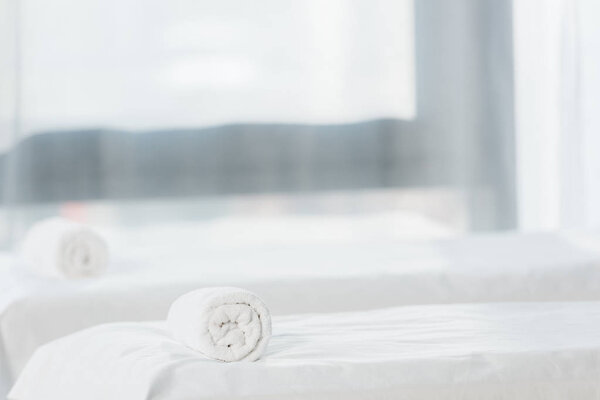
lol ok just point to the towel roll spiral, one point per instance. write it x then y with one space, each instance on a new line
222 323
63 248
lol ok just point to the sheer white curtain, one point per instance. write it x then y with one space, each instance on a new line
557 78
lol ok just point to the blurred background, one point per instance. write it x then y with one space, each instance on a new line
304 120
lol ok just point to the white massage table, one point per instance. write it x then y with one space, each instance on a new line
501 351
300 278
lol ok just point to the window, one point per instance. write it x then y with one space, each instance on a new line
117 101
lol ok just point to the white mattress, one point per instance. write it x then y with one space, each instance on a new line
315 277
463 351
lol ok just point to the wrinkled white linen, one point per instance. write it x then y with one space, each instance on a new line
501 351
222 323
58 247
300 279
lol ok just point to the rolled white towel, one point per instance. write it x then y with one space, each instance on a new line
222 323
63 248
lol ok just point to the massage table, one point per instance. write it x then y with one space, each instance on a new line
298 278
499 351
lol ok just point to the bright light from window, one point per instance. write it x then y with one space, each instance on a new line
189 63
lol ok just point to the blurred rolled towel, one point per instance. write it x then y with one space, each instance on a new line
223 323
62 248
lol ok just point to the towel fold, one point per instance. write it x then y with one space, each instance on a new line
222 323
63 248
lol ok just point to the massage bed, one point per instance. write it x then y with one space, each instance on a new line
512 351
298 278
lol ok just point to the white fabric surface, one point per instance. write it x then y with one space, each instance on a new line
490 351
315 277
223 323
58 247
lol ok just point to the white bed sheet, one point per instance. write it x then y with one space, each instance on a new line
315 277
462 351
